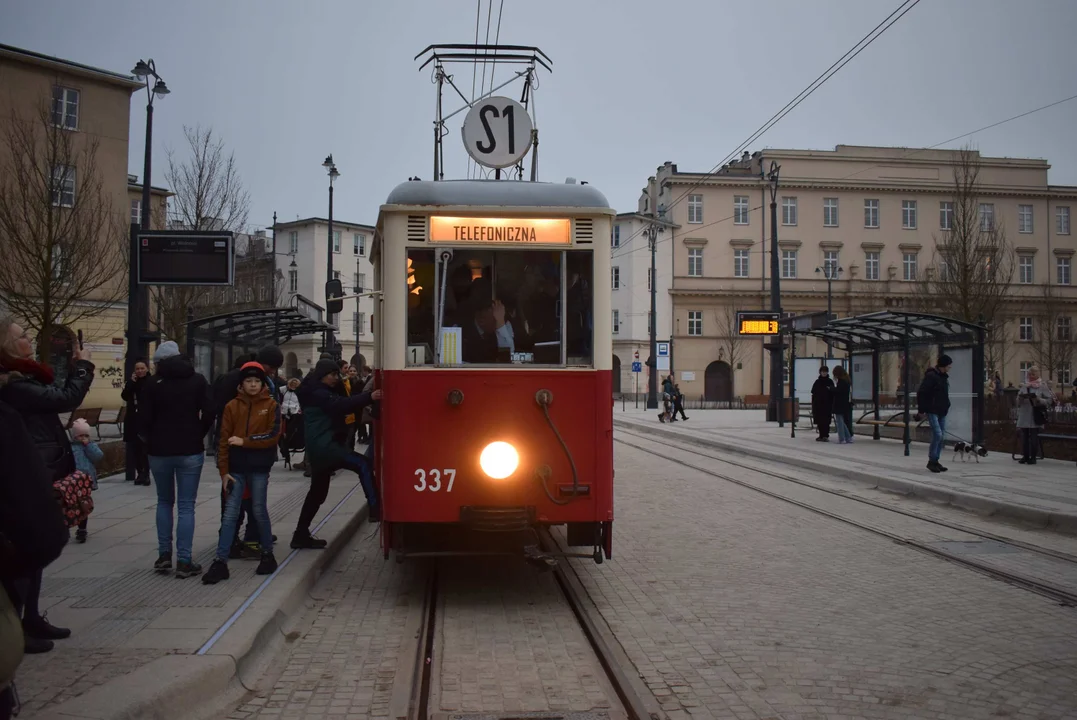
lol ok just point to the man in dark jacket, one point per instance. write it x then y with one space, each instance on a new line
132 390
822 403
324 411
933 400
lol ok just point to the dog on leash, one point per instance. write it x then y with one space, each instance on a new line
965 449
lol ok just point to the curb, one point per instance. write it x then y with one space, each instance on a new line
1060 522
193 686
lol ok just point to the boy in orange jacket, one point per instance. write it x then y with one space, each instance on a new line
250 429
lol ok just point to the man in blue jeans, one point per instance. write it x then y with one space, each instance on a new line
933 400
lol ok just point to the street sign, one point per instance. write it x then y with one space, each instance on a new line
497 132
637 367
636 355
185 257
663 349
758 323
663 364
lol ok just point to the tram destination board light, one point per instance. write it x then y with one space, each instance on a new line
497 231
758 323
183 257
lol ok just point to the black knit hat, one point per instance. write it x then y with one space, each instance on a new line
945 360
325 367
271 356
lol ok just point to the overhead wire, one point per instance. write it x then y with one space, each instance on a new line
474 71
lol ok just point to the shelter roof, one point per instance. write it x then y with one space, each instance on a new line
274 325
888 330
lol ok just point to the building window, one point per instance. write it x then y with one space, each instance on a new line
1064 374
361 285
293 242
871 213
695 322
908 214
830 212
65 108
1025 270
789 264
946 215
740 210
908 267
360 324
262 292
615 277
359 245
1025 367
987 217
1025 328
830 264
616 236
740 263
1063 329
1063 266
136 212
1062 220
789 211
293 281
616 321
1024 218
63 185
336 241
871 266
695 208
695 262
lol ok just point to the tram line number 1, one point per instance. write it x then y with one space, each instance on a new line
435 482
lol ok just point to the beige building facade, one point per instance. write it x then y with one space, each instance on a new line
89 106
878 214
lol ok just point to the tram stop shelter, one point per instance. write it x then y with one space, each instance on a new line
867 338
212 342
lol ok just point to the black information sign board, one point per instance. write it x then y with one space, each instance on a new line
184 257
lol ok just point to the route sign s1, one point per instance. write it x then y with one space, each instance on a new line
637 367
497 132
185 257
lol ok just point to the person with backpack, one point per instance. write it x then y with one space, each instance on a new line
87 456
933 400
31 391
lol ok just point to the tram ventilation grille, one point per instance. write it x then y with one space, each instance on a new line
584 231
416 228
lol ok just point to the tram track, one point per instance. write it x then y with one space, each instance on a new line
1063 596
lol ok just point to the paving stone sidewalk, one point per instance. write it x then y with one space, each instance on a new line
123 614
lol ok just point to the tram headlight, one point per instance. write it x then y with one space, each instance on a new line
499 460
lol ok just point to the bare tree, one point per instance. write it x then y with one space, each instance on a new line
63 258
1053 340
209 195
731 346
973 263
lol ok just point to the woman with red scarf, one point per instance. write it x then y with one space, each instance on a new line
31 392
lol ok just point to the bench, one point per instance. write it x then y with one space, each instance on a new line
92 416
121 418
891 421
1054 436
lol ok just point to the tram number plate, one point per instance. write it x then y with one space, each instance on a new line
435 480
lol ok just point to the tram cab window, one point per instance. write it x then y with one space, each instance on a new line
499 307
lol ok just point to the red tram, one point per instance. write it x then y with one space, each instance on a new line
494 349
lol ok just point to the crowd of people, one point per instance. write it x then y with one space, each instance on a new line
248 415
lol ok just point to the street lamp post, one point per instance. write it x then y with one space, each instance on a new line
138 307
776 385
652 382
831 271
330 166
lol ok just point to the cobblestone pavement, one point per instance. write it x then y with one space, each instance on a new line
735 605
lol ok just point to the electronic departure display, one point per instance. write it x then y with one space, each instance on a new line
758 323
185 258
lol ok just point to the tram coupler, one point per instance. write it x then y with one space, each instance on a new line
542 560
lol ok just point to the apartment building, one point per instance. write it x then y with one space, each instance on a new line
874 218
306 244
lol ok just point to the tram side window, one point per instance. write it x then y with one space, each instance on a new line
420 329
579 323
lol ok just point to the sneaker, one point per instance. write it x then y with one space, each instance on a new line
164 563
36 646
80 536
187 569
934 466
267 566
941 467
42 629
306 541
217 571
243 551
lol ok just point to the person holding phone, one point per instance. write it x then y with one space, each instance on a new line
1034 399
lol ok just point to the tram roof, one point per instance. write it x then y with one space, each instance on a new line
506 193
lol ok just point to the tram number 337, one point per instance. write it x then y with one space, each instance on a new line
435 480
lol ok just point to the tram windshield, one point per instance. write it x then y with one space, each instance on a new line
492 307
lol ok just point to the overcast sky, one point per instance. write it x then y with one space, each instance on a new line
634 83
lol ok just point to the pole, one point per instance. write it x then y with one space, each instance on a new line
829 312
652 385
330 341
775 299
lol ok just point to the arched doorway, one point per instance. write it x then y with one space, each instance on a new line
718 382
291 364
616 374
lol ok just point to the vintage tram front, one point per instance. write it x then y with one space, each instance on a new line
494 350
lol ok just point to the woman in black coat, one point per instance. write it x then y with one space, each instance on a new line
132 389
30 391
822 403
843 405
